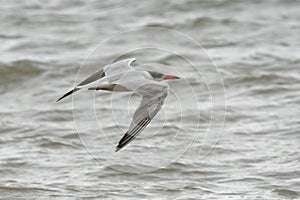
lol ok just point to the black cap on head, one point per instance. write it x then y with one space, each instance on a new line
156 75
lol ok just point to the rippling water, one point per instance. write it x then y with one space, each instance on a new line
60 150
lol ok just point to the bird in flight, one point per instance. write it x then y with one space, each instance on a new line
121 76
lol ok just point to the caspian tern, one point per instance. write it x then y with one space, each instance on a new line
121 76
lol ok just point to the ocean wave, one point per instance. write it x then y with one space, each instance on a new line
51 143
262 78
286 193
19 70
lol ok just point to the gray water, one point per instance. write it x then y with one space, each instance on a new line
65 150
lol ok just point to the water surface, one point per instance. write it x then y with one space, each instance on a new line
255 45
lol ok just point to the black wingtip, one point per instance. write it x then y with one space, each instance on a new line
60 99
120 146
122 142
68 93
127 138
117 149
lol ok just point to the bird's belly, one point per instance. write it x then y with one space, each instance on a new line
119 88
110 87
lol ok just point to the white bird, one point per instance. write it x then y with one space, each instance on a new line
121 76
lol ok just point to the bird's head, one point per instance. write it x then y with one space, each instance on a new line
157 76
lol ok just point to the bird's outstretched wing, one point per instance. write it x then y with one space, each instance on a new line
111 69
119 67
153 96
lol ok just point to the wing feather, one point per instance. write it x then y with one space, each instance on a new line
151 104
112 69
119 67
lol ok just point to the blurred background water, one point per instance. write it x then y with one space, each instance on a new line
255 45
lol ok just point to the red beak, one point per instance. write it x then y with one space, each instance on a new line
166 77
